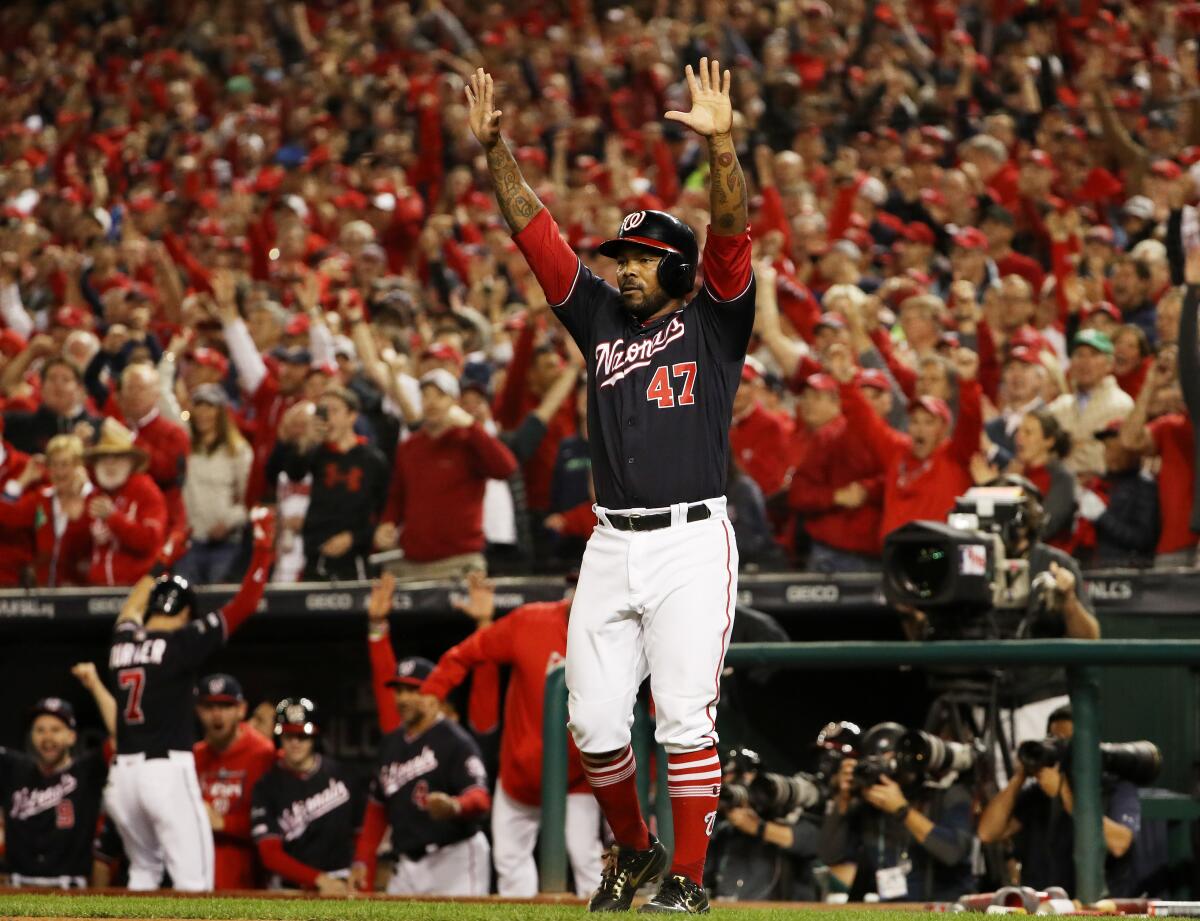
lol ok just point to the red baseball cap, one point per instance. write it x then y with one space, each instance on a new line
210 358
971 238
11 342
298 325
443 351
933 405
1040 158
822 382
1023 354
1100 233
919 232
72 318
873 377
1166 169
1105 307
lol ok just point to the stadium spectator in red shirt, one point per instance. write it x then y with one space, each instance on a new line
127 513
16 544
166 444
837 486
54 514
438 484
758 437
928 468
229 761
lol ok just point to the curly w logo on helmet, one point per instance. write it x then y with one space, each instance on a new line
632 220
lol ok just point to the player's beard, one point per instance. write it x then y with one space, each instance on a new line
650 304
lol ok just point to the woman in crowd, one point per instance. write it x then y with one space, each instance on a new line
1041 446
215 490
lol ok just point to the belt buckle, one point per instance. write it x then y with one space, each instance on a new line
633 520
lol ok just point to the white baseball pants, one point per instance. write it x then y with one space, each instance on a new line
462 868
159 812
514 835
652 602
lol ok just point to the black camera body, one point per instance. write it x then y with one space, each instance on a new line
1136 762
967 564
918 756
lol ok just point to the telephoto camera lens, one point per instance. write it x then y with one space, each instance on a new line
925 755
1137 762
1036 754
781 794
733 796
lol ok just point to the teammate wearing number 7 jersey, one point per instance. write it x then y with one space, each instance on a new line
153 794
658 581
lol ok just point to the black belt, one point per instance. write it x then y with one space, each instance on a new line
697 512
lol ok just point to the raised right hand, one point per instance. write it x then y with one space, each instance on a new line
482 115
379 605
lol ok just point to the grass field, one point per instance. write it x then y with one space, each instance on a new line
20 905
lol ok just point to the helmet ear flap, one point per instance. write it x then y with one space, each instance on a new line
676 276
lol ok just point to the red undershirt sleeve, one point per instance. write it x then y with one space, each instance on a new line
554 264
726 264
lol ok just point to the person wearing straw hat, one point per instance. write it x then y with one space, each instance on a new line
128 516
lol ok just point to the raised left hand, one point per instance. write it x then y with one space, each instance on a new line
886 796
712 109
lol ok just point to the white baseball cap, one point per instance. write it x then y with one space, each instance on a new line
443 380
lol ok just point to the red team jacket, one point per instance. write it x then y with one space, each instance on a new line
833 456
532 639
16 544
759 442
226 781
124 547
915 489
61 551
168 446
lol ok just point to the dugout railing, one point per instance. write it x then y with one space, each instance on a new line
1081 658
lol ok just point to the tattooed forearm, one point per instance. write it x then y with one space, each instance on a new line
518 203
727 193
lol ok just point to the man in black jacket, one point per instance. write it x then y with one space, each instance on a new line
1120 509
62 411
348 489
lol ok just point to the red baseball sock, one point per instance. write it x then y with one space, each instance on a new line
612 782
693 783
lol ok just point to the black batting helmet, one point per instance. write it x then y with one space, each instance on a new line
296 716
170 595
665 234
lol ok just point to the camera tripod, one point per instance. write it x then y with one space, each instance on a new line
967 709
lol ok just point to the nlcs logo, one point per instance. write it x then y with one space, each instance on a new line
632 220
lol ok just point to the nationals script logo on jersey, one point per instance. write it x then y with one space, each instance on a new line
26 802
616 359
294 820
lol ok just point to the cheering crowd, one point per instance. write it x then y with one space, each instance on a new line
249 253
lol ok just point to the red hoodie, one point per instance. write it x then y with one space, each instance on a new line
918 489
531 639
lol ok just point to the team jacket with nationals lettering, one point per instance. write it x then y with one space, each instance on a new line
313 815
660 395
50 819
153 673
442 759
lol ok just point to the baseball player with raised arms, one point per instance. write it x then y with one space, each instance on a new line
229 761
658 581
153 794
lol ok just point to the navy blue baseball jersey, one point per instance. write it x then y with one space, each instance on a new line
154 680
442 759
315 814
50 819
660 394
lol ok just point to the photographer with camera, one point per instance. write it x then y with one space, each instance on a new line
765 840
1035 810
899 823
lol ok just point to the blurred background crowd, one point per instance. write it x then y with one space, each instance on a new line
249 252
